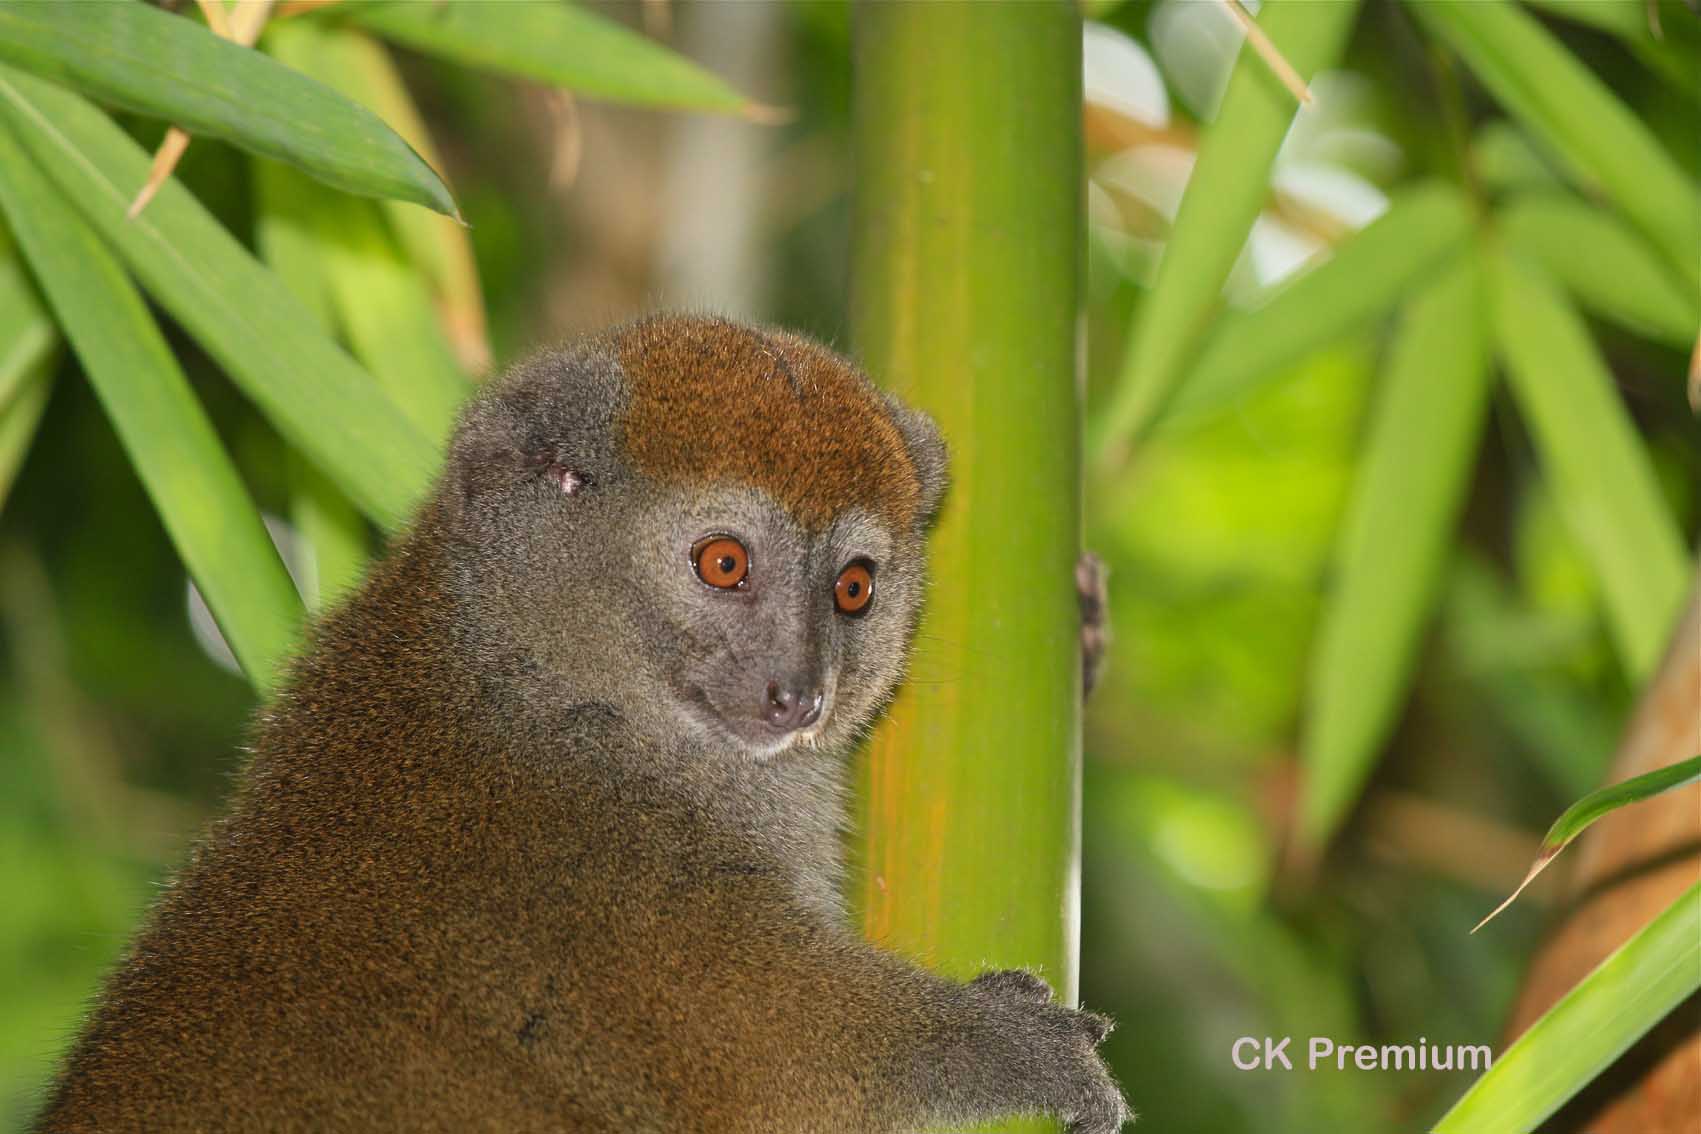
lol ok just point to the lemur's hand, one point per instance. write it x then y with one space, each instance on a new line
1092 587
1064 1074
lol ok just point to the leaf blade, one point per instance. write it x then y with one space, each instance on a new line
1224 195
166 67
1589 449
1533 75
1597 804
562 44
1590 1026
361 68
212 521
1419 451
318 397
29 345
1605 263
1364 278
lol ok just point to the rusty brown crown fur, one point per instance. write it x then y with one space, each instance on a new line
791 419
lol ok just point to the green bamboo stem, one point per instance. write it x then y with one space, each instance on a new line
966 258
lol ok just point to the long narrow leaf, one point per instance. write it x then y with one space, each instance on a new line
1411 486
388 317
205 508
362 69
1581 815
145 60
1605 263
19 417
563 44
374 296
1671 53
1592 1025
27 335
1228 187
1565 104
1366 277
28 348
1593 458
332 533
317 396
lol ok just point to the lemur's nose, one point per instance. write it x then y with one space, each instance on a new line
789 708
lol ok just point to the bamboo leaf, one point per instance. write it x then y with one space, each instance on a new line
20 415
1605 263
386 314
1228 188
1505 160
317 397
206 510
143 59
28 350
332 533
1593 458
1592 1025
27 335
1581 815
1562 102
563 44
1366 277
1418 456
283 235
1669 53
362 69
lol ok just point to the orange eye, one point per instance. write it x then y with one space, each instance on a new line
721 561
854 589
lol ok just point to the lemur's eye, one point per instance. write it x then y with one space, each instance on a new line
720 561
854 589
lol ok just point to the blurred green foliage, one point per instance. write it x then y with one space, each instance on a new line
1208 914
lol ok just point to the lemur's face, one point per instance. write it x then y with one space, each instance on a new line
716 529
771 633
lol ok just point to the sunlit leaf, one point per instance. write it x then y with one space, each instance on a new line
316 396
143 59
386 314
1504 159
1669 51
334 535
1592 1025
1593 459
28 348
563 44
1411 486
1571 109
1581 815
27 335
1605 263
193 485
20 415
1364 278
1228 188
334 542
362 69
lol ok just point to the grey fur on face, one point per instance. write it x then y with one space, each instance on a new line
583 573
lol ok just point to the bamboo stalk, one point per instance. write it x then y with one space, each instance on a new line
966 263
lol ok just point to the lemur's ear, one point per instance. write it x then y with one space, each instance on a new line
927 453
550 419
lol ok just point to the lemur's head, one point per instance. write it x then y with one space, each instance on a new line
715 528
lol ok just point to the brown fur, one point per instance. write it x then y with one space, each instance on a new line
790 418
484 873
